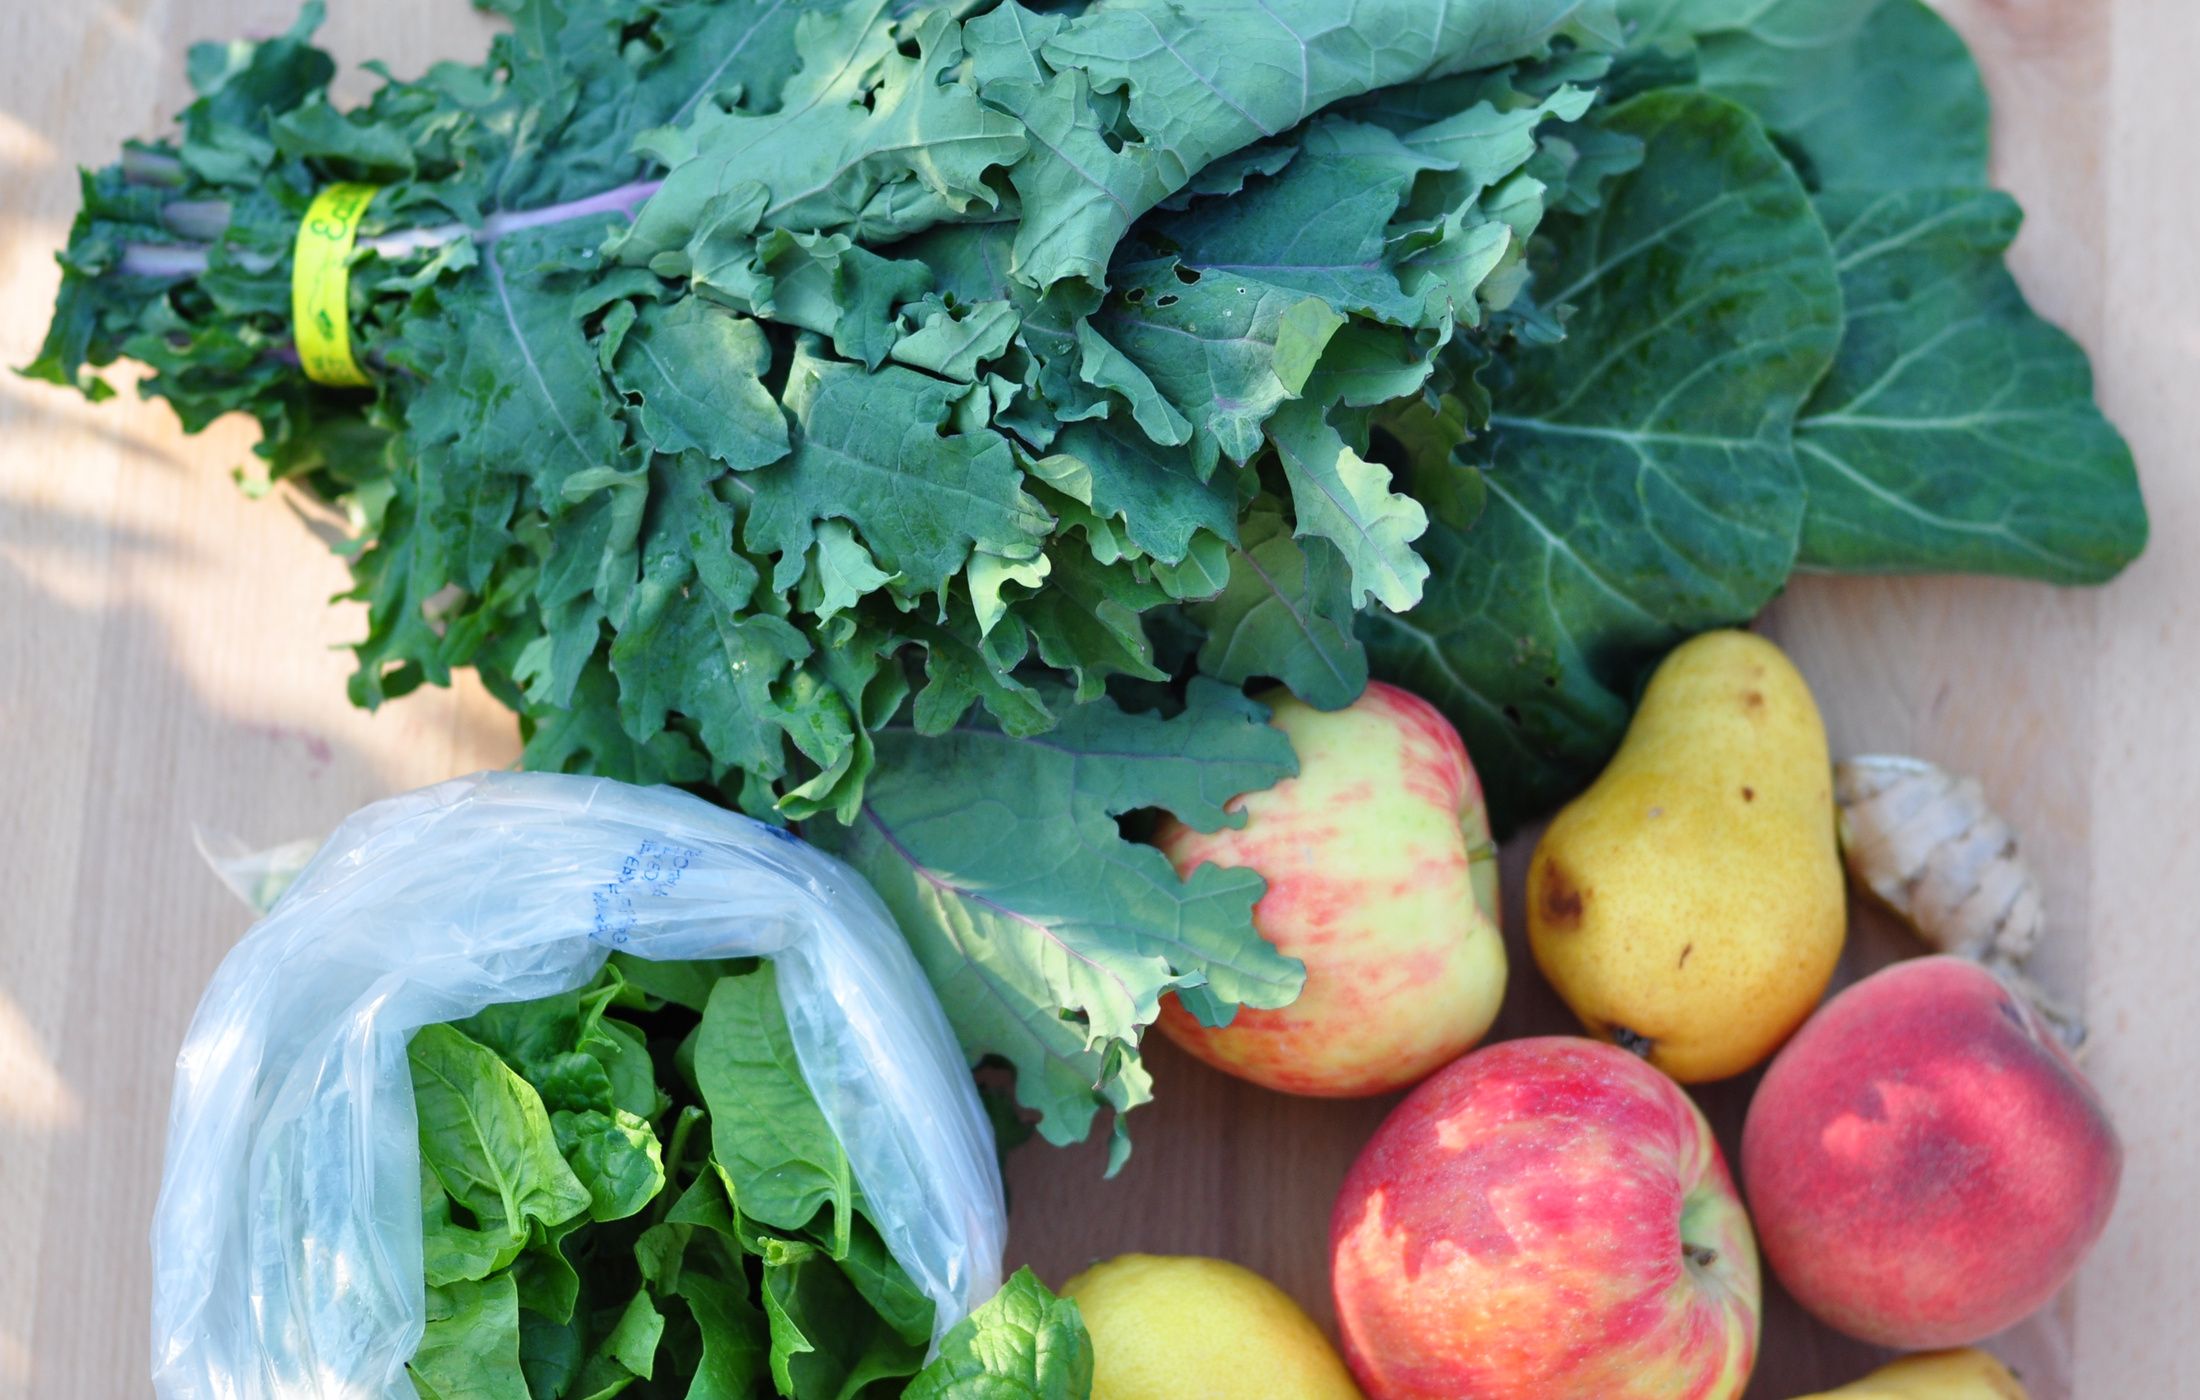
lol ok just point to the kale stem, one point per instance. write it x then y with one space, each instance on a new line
205 219
142 167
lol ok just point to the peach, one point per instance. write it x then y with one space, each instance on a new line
1546 1219
1382 879
1925 1164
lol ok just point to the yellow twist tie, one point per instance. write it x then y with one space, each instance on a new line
320 284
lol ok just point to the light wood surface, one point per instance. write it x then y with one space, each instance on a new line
167 666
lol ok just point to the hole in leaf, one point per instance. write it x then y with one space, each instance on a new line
1140 824
1167 299
1189 276
1135 295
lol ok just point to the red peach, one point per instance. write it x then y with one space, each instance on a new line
1925 1164
1545 1219
1382 879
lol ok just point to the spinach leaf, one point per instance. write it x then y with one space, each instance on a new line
824 1341
778 1157
736 1348
486 1135
471 1348
1022 1344
624 1055
615 1156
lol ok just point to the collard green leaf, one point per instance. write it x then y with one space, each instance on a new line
1866 94
1641 483
1956 430
485 1134
1286 614
1001 860
780 1160
1021 1344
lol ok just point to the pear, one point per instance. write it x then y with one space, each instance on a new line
1690 905
1968 1374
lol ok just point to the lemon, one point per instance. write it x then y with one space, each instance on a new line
1184 1328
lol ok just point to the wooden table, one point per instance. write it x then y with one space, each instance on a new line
166 668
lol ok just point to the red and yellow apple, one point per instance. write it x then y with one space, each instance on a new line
1546 1219
1925 1163
1382 879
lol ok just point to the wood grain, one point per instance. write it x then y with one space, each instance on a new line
167 664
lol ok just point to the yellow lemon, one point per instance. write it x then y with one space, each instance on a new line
1968 1374
1183 1328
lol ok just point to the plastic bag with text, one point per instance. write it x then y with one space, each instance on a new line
287 1240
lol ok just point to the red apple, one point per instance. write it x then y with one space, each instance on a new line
1925 1163
1545 1219
1382 879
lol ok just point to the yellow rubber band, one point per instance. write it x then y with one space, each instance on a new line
320 285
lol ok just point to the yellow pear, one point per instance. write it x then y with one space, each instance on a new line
1689 906
1968 1374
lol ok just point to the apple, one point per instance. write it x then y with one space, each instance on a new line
1926 1164
1546 1219
1382 880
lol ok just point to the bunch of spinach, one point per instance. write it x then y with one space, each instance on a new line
924 422
629 1189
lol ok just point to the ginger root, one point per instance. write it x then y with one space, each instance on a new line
1930 847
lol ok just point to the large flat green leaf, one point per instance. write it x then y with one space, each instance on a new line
1957 430
1865 94
1639 479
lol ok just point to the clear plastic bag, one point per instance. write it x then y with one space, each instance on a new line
287 1240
